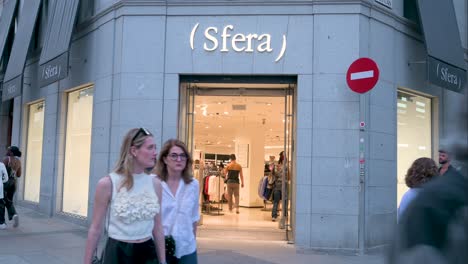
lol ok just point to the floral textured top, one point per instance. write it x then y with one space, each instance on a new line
132 211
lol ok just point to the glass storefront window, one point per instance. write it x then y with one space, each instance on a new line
32 175
414 133
77 152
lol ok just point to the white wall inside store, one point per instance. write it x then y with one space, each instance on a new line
255 138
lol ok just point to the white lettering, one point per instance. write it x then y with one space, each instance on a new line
226 39
225 36
266 43
11 89
211 38
51 71
238 38
446 76
249 42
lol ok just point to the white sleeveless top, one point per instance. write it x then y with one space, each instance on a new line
132 212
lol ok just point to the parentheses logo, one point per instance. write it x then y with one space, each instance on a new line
283 49
192 34
437 71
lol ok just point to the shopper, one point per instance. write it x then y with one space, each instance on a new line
13 166
421 171
180 202
277 172
4 179
233 171
131 199
445 162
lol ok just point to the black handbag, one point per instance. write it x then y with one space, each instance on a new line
170 245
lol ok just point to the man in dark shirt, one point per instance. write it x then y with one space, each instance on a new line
444 161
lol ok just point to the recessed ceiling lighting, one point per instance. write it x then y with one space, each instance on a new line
220 103
219 126
207 127
229 146
226 113
268 103
271 129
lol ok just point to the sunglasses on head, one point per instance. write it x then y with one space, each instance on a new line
143 131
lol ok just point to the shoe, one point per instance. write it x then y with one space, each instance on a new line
237 211
273 219
3 226
15 221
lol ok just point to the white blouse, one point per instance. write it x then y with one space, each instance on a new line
182 220
132 211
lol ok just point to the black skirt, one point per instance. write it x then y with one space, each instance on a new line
118 252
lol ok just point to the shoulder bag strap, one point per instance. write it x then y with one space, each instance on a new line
178 207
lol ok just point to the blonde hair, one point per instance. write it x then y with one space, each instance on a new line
161 167
124 166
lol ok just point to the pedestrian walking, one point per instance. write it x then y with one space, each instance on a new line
421 171
13 166
277 171
3 180
233 172
180 208
131 199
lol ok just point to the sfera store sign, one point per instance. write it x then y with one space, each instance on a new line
227 39
446 75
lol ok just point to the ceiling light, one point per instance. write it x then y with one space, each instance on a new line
268 103
219 126
271 129
229 146
226 113
220 103
207 127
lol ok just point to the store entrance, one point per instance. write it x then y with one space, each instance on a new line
254 121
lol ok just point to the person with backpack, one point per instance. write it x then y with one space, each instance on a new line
13 167
4 179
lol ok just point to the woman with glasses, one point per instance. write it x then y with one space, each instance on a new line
129 198
180 201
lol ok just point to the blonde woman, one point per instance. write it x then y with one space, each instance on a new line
133 198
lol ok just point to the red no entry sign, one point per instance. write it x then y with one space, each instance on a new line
362 75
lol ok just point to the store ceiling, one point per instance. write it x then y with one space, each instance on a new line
219 118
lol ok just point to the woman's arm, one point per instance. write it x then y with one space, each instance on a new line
101 202
195 209
158 231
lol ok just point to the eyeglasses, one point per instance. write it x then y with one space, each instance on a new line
175 157
143 131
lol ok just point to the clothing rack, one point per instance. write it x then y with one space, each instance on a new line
208 205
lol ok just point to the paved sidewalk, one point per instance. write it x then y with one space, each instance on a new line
41 240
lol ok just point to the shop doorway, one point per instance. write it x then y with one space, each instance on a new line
252 118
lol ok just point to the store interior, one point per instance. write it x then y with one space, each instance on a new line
253 128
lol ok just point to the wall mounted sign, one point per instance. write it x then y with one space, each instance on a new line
387 3
445 75
53 70
226 40
362 75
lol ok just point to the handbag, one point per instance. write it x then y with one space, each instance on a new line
169 239
96 259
